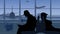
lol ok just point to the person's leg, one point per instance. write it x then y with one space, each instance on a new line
19 31
57 29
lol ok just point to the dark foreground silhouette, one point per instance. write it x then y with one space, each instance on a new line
30 25
48 23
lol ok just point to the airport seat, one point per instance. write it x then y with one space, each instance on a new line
28 32
40 27
40 33
52 32
31 32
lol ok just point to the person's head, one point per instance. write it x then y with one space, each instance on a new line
43 15
26 13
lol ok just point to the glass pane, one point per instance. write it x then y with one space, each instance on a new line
10 16
45 3
1 14
27 3
8 4
55 3
55 14
1 11
15 3
12 3
1 3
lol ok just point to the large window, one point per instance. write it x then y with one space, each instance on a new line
56 9
41 6
11 6
56 13
19 6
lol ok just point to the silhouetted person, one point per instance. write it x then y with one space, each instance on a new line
30 25
48 23
38 19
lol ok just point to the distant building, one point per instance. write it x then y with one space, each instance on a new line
12 15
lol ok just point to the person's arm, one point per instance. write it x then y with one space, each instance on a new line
38 19
20 25
50 22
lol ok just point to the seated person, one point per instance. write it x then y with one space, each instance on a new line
48 23
30 25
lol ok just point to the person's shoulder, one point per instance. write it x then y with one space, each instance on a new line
33 16
49 20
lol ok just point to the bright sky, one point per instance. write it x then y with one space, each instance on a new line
30 4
